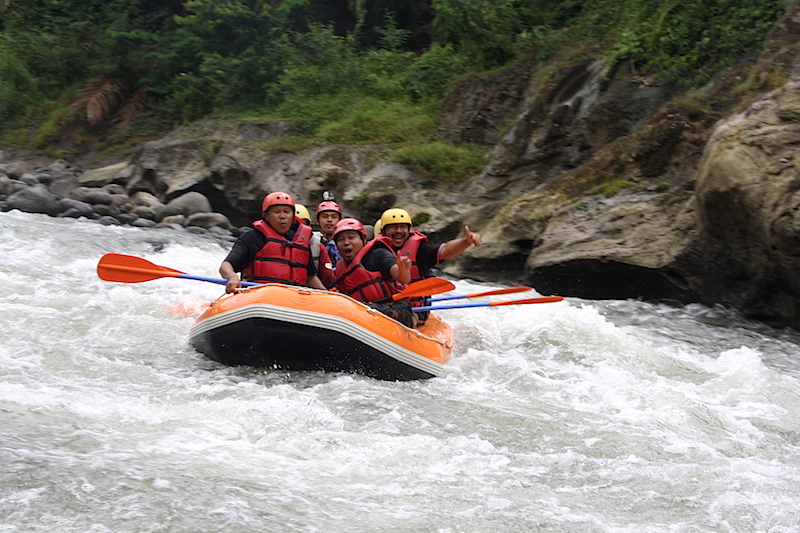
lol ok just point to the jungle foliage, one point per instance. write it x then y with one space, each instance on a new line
346 71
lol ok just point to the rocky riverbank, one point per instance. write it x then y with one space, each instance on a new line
599 185
60 190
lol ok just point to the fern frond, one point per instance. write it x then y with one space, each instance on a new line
99 97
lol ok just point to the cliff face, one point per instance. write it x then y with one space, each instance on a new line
602 184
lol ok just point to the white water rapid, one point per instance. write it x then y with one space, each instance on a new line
578 416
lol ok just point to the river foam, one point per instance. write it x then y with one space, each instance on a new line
575 416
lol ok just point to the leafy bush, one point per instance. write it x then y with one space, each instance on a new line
17 84
687 41
373 120
443 162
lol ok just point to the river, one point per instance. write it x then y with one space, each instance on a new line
577 416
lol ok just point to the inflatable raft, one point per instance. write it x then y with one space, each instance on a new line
297 328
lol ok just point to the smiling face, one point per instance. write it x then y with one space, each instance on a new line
280 217
349 243
327 222
398 233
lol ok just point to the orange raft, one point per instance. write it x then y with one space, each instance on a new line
297 328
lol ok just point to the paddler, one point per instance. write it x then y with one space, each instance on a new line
396 225
370 272
328 215
276 250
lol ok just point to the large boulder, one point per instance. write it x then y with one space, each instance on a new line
36 199
186 204
99 177
748 197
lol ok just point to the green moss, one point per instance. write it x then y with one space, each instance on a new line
420 218
612 188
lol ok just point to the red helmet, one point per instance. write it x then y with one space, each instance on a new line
349 224
276 198
328 205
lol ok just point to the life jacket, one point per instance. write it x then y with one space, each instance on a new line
410 249
316 239
362 284
281 260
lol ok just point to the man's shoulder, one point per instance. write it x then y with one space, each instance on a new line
252 236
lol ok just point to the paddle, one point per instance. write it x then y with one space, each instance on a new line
508 290
130 269
424 287
542 300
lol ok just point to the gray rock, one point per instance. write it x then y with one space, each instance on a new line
97 196
59 166
29 179
44 179
126 218
142 211
35 199
16 168
115 188
82 208
178 220
168 225
222 232
122 201
104 210
63 185
108 221
208 220
146 199
186 204
7 185
106 175
143 223
70 213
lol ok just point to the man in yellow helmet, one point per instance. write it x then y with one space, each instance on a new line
396 224
301 212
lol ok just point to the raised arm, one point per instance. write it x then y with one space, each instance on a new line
456 246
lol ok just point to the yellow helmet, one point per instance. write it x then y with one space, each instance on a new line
301 212
377 227
395 216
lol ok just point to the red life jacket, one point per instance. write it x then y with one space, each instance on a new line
366 285
411 248
281 260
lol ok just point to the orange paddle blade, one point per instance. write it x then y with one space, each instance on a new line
130 269
541 300
424 287
507 290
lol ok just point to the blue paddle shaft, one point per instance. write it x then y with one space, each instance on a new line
451 306
220 281
442 298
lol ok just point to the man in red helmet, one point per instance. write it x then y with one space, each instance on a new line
277 250
370 272
328 215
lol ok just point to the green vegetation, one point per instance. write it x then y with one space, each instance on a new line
443 162
612 188
115 71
